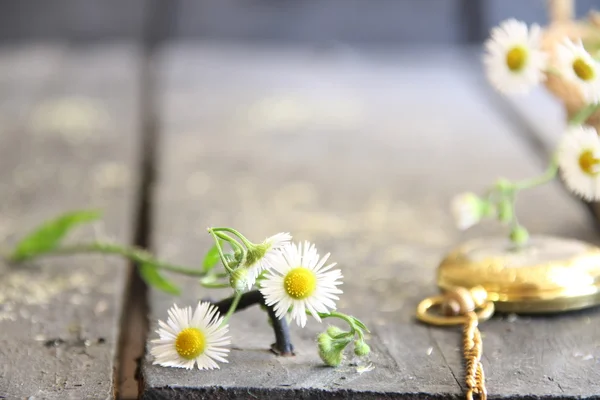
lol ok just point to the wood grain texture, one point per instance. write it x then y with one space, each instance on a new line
359 152
69 141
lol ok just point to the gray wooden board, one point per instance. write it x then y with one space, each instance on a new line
71 20
69 140
407 21
334 21
359 152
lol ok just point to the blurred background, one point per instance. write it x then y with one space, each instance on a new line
411 22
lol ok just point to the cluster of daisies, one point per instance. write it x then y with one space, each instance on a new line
515 63
292 278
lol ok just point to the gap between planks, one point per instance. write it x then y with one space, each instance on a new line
134 322
158 21
135 318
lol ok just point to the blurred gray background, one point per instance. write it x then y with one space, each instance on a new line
404 22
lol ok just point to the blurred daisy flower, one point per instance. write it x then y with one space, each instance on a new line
577 65
513 59
579 161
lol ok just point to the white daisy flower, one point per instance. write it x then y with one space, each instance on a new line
261 256
579 161
188 339
578 66
299 282
467 210
514 60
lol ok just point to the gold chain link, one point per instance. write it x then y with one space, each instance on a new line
474 375
463 307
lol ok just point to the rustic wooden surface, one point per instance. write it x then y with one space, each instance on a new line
335 21
68 134
359 152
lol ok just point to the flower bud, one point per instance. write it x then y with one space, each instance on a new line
334 331
255 253
239 280
325 342
519 235
361 348
331 350
468 209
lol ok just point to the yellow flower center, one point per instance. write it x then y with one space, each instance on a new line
190 343
516 58
300 283
588 163
583 70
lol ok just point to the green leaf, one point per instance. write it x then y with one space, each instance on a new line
152 277
211 258
48 236
361 325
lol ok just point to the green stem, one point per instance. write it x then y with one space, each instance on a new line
232 242
134 254
553 71
215 285
234 304
355 325
583 114
546 177
246 242
220 250
506 194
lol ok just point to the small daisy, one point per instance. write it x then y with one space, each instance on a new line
513 59
578 66
261 256
467 209
579 161
188 339
300 282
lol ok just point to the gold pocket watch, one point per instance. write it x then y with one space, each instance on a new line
547 275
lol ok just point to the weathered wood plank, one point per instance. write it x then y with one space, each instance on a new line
69 140
334 21
360 153
81 20
437 21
